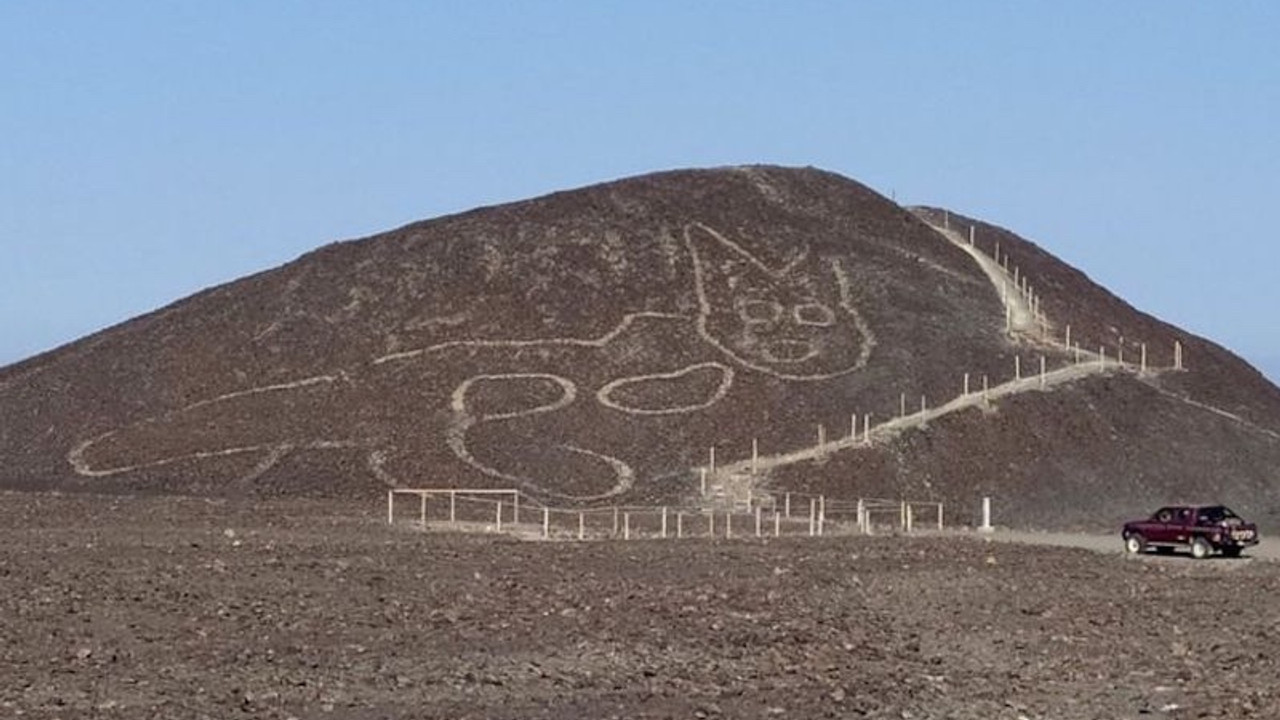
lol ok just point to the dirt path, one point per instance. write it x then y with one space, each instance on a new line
736 482
1105 543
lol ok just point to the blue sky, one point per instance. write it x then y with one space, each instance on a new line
149 150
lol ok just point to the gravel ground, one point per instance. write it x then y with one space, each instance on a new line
181 608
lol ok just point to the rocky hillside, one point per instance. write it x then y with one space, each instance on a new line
593 346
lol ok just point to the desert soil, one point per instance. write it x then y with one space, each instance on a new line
184 608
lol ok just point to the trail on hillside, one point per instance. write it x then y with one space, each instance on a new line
738 481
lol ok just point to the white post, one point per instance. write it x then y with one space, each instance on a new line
728 524
813 516
515 507
902 515
822 513
755 455
1068 336
986 389
986 515
853 427
902 405
1017 367
862 516
970 234
712 464
1120 356
453 507
711 523
546 523
1102 357
679 524
758 510
786 504
866 429
498 522
750 498
626 526
822 438
777 524
1143 366
664 522
923 405
391 507
1043 372
910 518
422 511
582 527
1177 355
615 522
939 516
966 383
703 473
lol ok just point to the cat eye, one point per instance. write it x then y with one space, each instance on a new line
814 314
759 311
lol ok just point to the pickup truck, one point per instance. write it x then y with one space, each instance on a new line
1202 529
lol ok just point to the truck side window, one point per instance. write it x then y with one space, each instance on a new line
1164 516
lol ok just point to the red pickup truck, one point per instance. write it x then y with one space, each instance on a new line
1203 529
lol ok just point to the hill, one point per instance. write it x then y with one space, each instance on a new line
593 346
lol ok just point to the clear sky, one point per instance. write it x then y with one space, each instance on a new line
151 149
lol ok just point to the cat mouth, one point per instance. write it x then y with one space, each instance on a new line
788 351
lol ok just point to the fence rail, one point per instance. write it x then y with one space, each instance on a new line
510 511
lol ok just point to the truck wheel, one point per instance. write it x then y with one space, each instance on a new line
1135 544
1200 548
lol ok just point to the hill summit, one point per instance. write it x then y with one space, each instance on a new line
781 329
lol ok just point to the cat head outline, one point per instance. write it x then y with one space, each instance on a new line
795 321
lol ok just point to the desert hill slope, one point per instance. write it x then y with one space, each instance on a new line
592 346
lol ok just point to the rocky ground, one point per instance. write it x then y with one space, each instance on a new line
186 608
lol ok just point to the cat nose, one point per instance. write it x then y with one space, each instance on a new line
789 351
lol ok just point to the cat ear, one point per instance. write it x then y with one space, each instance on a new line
714 254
